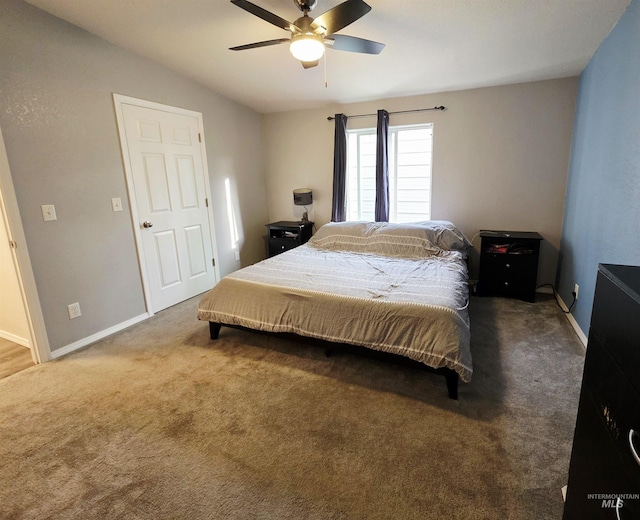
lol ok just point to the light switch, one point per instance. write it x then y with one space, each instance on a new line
116 204
49 212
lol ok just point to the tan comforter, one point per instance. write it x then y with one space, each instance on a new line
416 308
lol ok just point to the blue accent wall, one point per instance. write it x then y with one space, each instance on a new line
602 207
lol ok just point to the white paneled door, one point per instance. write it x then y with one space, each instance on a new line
168 175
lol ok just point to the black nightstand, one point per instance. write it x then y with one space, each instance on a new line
509 264
285 235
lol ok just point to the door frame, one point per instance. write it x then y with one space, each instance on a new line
118 101
38 340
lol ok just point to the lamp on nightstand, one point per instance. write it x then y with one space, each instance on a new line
303 197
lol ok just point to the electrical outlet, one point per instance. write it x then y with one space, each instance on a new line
116 204
237 256
576 289
74 310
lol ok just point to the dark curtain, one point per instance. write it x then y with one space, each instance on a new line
382 167
339 202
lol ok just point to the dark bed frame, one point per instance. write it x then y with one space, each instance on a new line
450 375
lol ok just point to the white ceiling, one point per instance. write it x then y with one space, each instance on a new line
431 45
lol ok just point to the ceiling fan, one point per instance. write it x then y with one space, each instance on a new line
309 36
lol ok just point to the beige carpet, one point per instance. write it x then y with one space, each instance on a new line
159 422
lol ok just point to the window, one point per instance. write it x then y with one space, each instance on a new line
410 154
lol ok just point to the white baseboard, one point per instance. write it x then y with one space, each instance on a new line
581 335
97 336
14 339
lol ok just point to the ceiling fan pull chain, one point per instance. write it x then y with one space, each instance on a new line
326 84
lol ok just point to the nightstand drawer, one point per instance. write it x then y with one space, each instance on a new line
280 245
510 265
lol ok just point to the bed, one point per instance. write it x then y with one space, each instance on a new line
396 288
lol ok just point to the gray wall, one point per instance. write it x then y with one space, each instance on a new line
58 120
500 158
602 211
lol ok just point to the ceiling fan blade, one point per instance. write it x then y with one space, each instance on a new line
309 64
259 44
341 42
265 15
340 16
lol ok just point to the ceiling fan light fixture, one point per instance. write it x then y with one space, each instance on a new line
307 47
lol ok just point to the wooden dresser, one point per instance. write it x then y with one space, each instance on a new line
604 463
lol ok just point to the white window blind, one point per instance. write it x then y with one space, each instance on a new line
410 165
361 174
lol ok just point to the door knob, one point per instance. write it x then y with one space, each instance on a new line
147 224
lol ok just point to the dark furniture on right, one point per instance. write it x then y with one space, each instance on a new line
604 459
509 264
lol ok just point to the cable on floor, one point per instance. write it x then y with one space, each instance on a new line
555 295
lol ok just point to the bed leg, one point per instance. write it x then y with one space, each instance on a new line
452 383
214 329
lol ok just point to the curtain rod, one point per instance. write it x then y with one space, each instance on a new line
397 112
